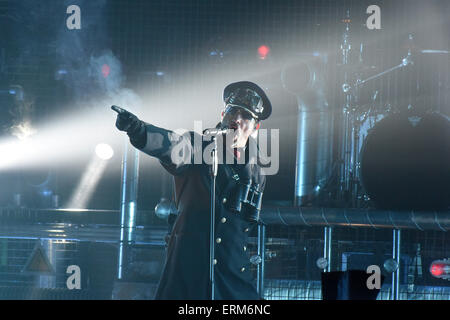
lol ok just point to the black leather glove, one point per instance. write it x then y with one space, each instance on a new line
135 128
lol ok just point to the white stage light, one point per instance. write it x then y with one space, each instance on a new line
87 184
104 151
14 151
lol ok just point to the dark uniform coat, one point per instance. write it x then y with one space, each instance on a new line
186 271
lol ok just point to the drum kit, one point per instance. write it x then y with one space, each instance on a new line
391 158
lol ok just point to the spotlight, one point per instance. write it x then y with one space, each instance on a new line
104 151
263 51
15 151
106 70
46 193
90 178
23 130
440 269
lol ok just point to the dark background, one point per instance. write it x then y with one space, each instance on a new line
193 41
177 56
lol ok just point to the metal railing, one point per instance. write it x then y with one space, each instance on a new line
328 227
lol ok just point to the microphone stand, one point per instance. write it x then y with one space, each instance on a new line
213 172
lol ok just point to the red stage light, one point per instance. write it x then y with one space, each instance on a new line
105 70
437 269
263 51
440 269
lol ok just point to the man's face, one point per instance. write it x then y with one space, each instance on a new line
242 123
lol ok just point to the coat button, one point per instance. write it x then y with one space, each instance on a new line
224 200
245 248
242 269
223 220
246 229
218 240
215 261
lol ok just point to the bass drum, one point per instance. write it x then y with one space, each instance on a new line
405 162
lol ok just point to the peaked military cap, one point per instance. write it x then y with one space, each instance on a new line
249 96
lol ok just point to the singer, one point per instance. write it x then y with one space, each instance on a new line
239 190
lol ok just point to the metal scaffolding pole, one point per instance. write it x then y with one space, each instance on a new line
327 247
347 217
396 242
128 206
261 253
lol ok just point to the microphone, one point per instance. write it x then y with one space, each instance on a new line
217 131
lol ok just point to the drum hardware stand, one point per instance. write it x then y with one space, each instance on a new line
345 161
350 180
406 61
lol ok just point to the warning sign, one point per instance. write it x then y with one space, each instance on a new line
38 261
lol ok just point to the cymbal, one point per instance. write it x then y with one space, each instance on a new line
414 49
419 103
434 51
